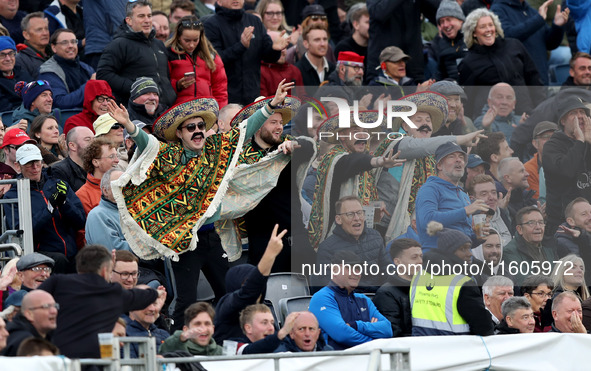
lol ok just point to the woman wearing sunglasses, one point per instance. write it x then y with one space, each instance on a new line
196 69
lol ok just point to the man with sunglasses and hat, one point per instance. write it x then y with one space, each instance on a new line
171 193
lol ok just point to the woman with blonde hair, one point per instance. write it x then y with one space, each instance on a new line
273 15
196 69
570 276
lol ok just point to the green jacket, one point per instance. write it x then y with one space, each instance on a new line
174 343
516 252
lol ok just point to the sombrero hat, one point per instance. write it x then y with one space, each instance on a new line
167 124
433 103
331 124
286 109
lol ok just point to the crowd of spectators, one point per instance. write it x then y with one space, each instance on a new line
137 123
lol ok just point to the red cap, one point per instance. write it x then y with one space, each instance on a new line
350 58
16 137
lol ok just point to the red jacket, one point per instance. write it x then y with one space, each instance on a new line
209 84
93 89
273 73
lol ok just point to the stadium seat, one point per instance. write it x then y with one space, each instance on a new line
558 74
66 114
286 285
295 304
7 118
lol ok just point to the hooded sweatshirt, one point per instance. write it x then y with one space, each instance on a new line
93 89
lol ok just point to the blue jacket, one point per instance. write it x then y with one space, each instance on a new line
52 231
500 123
102 18
443 202
580 11
103 227
521 21
346 318
288 345
134 328
63 76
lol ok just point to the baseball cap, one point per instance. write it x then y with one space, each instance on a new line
27 153
392 54
16 137
475 160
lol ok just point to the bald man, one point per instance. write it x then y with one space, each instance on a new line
304 335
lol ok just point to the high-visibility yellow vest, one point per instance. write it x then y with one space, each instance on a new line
433 303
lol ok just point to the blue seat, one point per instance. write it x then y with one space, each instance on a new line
7 118
558 74
66 114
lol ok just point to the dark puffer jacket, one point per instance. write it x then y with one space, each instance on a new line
131 55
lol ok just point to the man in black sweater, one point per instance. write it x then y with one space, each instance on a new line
90 304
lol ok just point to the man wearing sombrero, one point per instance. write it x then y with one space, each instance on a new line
170 194
268 155
399 186
344 171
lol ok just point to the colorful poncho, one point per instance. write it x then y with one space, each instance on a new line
362 185
165 197
255 176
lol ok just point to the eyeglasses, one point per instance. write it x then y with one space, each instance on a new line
192 126
102 98
66 42
355 68
47 306
10 54
543 294
532 223
318 17
111 157
191 24
273 14
352 214
126 275
29 165
116 126
12 147
41 269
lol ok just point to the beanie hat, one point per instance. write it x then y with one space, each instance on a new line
143 85
449 8
448 240
7 43
29 92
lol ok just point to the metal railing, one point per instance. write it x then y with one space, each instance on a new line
19 241
147 361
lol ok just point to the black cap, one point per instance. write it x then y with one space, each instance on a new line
313 9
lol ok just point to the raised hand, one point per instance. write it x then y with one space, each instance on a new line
282 91
561 17
471 139
275 244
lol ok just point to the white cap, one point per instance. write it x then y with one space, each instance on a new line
27 153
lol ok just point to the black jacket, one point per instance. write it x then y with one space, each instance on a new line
393 302
397 22
268 344
448 53
138 112
131 55
310 76
570 83
503 329
89 305
20 329
69 171
369 248
243 67
506 60
30 59
9 100
244 285
567 167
